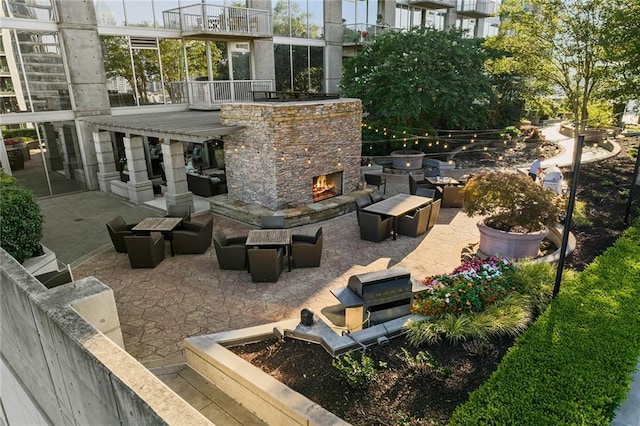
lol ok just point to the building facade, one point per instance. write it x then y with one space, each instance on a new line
62 61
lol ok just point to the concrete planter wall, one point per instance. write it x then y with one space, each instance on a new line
510 245
407 159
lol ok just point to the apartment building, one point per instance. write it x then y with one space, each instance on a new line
63 62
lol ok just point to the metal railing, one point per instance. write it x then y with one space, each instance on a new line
480 7
219 19
217 92
363 33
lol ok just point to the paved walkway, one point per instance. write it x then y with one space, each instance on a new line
189 295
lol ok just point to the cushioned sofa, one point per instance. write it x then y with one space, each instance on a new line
206 186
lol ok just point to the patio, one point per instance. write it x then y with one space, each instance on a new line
189 295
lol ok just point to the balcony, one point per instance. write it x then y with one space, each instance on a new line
358 34
474 9
215 22
433 4
206 95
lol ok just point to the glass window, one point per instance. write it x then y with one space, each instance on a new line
117 64
316 70
316 19
41 71
173 70
196 59
282 59
46 159
298 18
110 12
281 21
146 69
220 60
300 61
41 10
139 13
241 65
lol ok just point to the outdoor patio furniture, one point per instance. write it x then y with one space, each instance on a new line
373 227
415 224
56 278
452 196
118 229
414 185
272 222
193 238
231 252
376 180
397 205
265 264
206 186
429 193
363 201
179 210
376 196
433 214
307 250
145 251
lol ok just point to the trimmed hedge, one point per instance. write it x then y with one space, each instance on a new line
17 133
575 364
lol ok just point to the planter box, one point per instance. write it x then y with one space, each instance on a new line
510 245
48 262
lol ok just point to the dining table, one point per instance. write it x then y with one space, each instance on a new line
398 205
271 237
159 224
442 181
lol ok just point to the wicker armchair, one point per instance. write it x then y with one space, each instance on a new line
373 227
265 264
272 222
376 196
145 251
376 180
307 250
118 229
231 252
179 210
416 224
452 196
433 214
192 238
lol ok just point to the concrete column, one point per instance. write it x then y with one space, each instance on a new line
177 192
140 187
389 13
262 49
333 33
107 170
478 30
450 18
88 154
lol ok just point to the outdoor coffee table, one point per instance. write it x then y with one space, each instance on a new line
398 205
271 237
159 224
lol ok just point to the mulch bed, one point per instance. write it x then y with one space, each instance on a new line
427 395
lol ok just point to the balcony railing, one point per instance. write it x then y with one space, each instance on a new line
363 33
475 9
223 20
212 93
434 4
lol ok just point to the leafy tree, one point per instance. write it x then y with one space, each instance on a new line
554 44
422 78
622 39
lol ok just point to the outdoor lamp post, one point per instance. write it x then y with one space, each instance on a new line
577 154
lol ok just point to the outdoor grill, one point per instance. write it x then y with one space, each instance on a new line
376 297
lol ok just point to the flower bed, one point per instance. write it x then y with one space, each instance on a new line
471 287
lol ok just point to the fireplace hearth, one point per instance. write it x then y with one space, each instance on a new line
327 186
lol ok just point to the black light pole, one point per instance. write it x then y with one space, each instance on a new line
577 154
634 182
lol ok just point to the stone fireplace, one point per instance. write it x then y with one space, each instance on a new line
327 186
286 150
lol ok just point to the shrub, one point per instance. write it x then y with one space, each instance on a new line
357 369
512 202
20 219
471 287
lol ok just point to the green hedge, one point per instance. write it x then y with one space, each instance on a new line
18 133
575 364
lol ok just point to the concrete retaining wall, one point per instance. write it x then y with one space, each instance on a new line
68 366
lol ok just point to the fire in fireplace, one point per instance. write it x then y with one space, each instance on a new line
327 186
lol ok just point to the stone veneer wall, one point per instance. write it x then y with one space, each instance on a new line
273 160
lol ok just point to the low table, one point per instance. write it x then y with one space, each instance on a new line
398 205
271 237
159 224
442 181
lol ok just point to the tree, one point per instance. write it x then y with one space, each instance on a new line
555 44
422 78
290 21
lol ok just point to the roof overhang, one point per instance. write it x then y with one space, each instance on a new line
183 126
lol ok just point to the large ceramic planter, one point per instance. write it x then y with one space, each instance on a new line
407 159
510 245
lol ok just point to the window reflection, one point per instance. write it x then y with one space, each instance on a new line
40 73
110 12
298 18
139 13
299 68
41 10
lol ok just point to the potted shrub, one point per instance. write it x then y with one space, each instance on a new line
517 213
20 219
